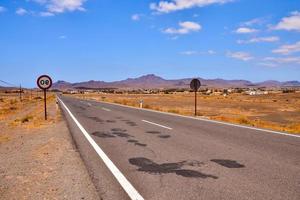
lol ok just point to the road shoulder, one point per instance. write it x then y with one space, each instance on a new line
42 162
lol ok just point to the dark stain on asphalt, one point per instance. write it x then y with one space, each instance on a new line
96 119
119 117
130 123
159 134
115 132
140 144
111 121
118 129
81 108
148 166
132 141
228 163
136 142
121 134
153 132
103 134
164 136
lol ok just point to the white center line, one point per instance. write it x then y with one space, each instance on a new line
130 190
106 109
157 124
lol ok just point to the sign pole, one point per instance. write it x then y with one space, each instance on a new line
45 104
195 103
44 82
195 85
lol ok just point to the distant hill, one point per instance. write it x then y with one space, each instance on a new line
152 81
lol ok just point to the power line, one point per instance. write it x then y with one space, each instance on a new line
7 83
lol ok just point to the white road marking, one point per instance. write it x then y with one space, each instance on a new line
106 109
130 190
207 120
157 124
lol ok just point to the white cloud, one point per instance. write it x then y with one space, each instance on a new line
283 60
185 28
60 6
46 14
290 23
259 39
267 64
255 21
39 1
244 56
136 17
189 53
62 37
211 52
174 37
288 49
175 5
2 9
245 30
21 11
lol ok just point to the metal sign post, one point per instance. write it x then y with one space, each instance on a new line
195 85
44 82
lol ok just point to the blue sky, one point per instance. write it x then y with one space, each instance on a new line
78 40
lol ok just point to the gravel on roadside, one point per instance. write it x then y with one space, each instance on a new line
42 163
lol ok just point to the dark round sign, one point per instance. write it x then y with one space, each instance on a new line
44 82
195 84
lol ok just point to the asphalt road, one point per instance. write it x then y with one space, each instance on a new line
170 157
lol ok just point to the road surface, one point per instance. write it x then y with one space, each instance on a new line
142 154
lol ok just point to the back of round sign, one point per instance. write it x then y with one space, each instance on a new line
195 84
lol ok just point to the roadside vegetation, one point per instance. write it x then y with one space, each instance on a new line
28 113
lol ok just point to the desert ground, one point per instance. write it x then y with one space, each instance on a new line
38 159
277 111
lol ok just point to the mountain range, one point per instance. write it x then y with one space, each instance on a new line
152 81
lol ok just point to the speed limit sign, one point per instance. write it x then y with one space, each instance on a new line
44 82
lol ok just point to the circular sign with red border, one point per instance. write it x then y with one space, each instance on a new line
44 82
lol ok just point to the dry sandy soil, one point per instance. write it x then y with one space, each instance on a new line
279 111
38 159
